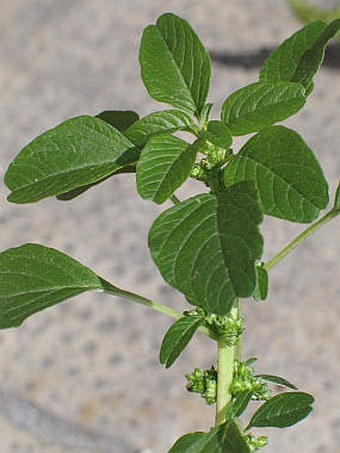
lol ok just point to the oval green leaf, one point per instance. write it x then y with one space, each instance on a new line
166 121
76 153
175 65
260 105
164 165
283 410
287 175
177 338
217 134
119 119
207 246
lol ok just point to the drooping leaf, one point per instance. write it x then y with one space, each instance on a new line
288 177
207 246
164 165
260 105
119 119
70 195
166 121
175 65
277 380
218 134
223 439
240 404
177 338
283 410
300 56
33 277
78 152
261 292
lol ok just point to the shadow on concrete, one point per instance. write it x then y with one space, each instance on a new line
257 58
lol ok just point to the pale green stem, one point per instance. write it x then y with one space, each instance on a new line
112 290
225 370
302 237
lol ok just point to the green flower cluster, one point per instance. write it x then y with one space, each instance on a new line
244 380
204 383
255 443
229 327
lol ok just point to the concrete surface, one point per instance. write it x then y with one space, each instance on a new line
84 376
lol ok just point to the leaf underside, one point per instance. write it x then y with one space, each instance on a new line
287 175
207 247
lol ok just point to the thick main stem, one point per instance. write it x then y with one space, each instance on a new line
301 237
225 370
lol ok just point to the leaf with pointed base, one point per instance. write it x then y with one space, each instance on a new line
260 105
288 177
277 380
283 410
300 56
207 246
119 119
240 404
166 121
226 438
175 65
177 338
261 292
164 165
33 277
76 153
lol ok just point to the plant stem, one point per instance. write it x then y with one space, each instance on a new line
301 237
160 308
225 370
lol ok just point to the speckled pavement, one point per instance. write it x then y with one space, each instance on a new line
84 376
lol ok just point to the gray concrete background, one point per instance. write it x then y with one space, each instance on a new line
84 376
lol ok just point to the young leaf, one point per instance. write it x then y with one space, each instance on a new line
177 338
167 121
76 153
175 65
33 277
240 404
207 246
119 119
288 177
223 439
261 291
164 165
218 134
300 56
277 380
283 410
261 104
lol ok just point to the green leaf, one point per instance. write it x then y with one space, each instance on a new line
223 439
164 165
119 119
76 153
218 134
261 104
261 292
175 65
288 177
300 56
166 121
74 193
283 410
240 404
336 205
207 246
33 277
277 380
177 338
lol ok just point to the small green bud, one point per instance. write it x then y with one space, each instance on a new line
204 383
255 443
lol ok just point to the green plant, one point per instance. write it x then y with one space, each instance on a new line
209 246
